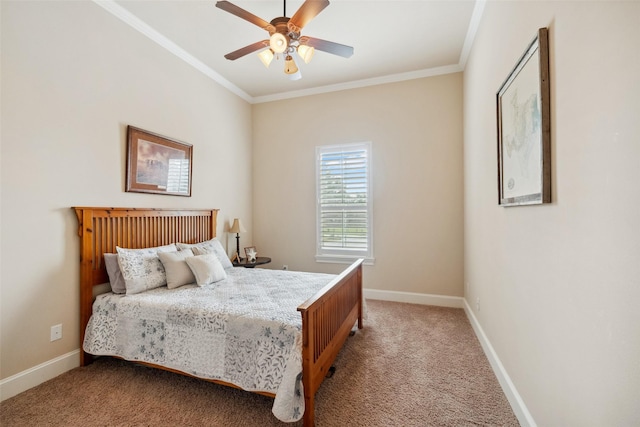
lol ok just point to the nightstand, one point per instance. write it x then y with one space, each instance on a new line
248 264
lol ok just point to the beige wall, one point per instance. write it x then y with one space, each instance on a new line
559 284
73 78
416 132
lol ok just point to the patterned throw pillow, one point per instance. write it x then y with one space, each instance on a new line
212 246
142 269
206 268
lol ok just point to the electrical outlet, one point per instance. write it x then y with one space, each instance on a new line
285 267
56 332
478 304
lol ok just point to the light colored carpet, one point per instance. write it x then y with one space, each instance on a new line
411 365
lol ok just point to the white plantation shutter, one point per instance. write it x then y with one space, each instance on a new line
344 202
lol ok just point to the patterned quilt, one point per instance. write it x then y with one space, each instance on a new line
243 330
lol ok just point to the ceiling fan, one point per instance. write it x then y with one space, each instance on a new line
284 36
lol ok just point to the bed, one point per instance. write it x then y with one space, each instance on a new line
325 318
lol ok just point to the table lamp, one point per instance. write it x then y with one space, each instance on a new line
237 228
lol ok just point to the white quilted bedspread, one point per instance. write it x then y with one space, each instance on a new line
243 330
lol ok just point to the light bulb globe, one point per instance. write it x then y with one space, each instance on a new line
278 43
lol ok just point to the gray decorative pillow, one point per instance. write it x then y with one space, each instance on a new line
115 275
210 246
206 268
176 268
142 269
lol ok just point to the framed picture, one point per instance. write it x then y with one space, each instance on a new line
524 129
251 253
157 164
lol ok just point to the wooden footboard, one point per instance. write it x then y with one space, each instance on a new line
327 317
327 320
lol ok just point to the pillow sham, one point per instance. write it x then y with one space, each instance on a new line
206 268
115 275
210 246
177 271
142 269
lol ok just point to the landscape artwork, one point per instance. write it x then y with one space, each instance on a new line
157 164
155 161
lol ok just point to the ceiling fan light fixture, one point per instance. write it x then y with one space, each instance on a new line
266 56
278 43
290 66
306 52
285 36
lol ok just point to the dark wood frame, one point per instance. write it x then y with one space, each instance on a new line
134 136
540 47
327 317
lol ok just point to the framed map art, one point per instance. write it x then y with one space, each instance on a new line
524 130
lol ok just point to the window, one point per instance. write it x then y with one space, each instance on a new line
344 208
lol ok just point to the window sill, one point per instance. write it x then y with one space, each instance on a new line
342 259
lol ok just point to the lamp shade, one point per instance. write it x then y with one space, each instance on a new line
290 66
278 43
237 227
266 56
306 52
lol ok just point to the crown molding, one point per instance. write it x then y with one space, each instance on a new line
127 17
138 24
474 23
393 78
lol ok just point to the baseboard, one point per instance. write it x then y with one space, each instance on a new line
32 377
415 298
517 404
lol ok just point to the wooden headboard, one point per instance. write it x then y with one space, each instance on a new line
102 229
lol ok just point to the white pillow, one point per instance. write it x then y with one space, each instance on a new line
177 270
206 268
142 269
207 247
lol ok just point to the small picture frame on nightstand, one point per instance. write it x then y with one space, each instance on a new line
251 253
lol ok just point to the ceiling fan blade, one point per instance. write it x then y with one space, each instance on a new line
307 12
327 46
247 50
241 13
